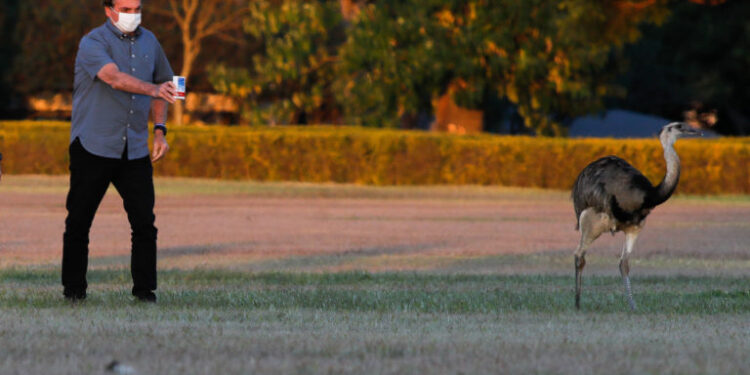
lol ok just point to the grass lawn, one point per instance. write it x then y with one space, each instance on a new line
232 322
451 312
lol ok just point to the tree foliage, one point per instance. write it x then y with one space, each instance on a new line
290 80
8 18
546 58
47 36
44 36
377 62
697 61
551 60
198 20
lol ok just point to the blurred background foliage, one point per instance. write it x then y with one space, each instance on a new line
289 79
547 58
385 63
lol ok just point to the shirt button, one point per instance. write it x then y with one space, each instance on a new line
131 111
124 138
128 125
132 97
132 69
133 55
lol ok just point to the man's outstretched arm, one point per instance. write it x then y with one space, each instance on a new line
112 76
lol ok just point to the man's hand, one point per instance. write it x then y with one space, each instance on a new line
165 91
160 145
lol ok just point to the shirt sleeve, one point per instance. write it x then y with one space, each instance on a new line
92 56
163 71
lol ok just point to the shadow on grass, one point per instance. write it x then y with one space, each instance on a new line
387 292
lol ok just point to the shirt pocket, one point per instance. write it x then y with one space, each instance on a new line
145 66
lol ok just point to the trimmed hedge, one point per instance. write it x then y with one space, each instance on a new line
392 157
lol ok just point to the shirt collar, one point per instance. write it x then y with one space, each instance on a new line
119 33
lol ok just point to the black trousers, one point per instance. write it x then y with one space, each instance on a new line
90 176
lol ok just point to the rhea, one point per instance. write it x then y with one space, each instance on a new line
611 195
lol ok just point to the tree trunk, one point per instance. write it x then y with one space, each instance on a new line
178 112
187 61
189 52
192 49
207 23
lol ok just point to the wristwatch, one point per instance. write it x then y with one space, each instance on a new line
163 128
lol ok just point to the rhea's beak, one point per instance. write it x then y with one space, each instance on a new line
691 131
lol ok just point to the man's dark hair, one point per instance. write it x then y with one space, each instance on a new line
108 3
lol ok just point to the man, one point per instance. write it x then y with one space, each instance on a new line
121 73
1 171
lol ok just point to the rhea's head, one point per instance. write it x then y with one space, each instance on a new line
672 131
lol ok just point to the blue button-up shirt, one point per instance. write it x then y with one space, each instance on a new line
105 119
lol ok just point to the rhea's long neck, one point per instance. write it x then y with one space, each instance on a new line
667 186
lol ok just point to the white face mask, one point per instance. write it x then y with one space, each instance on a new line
128 22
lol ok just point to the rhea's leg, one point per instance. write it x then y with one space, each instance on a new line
630 237
580 261
592 225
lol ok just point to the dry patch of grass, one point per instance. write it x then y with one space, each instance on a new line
176 186
204 186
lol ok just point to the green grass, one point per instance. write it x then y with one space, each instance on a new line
395 292
357 322
477 315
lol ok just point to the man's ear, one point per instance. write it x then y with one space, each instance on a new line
110 13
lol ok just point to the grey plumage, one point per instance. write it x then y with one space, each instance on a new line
612 186
611 195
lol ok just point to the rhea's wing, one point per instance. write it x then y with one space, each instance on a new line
610 184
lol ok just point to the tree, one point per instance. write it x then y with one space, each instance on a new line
551 60
47 34
289 79
695 62
198 20
8 15
39 54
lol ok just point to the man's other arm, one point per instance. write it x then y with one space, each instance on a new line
112 76
159 114
159 111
